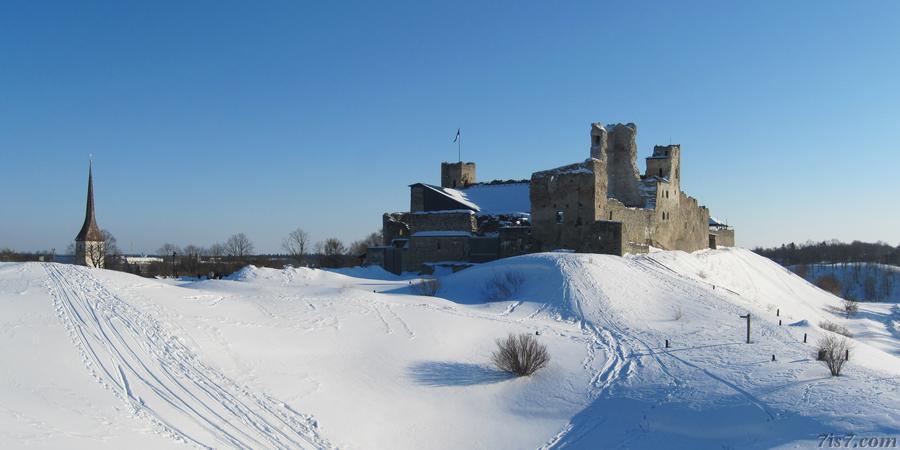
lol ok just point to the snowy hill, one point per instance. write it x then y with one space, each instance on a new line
309 358
861 281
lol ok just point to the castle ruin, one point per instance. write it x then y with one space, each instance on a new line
601 205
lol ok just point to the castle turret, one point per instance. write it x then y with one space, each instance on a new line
666 163
457 175
89 243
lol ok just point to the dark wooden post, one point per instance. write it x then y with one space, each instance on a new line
748 326
667 343
804 338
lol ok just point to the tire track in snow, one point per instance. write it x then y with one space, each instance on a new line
161 380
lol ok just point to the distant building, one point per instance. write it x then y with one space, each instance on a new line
601 205
90 247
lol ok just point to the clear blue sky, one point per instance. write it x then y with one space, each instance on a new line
208 118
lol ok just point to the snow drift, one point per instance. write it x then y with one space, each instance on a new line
646 351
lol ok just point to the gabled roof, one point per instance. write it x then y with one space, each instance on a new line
90 231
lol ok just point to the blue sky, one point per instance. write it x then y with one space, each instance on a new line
211 118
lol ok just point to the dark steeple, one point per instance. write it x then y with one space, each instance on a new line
90 231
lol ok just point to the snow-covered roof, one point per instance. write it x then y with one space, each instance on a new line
454 195
489 198
501 198
713 222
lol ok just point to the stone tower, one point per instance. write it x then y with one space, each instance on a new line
666 163
89 244
457 175
616 146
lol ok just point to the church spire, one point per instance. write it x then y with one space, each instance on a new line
90 231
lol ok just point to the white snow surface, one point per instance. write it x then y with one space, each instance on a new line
494 199
303 358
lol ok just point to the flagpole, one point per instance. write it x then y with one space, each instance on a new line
459 148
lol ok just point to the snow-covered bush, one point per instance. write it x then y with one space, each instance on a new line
428 286
834 328
851 307
832 351
503 286
678 313
520 354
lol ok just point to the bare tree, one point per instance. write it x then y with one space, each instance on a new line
217 250
111 253
332 251
297 244
520 354
361 246
239 245
833 351
167 249
94 253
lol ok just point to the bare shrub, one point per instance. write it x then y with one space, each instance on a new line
503 286
520 354
851 307
829 283
428 286
835 328
832 351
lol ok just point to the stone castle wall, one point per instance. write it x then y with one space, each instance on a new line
565 202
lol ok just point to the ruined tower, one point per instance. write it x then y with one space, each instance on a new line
666 163
89 244
457 175
616 146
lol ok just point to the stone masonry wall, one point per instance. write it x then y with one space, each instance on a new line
435 249
565 202
457 175
442 221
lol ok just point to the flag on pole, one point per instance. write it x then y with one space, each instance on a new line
457 136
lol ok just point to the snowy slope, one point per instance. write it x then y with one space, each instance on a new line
862 281
310 358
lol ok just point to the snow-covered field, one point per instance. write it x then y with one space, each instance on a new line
302 358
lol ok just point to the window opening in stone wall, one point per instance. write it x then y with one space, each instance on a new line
660 172
559 217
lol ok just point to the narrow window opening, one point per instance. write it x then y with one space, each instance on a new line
660 172
559 217
610 215
578 221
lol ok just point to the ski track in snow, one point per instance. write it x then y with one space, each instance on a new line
620 344
162 380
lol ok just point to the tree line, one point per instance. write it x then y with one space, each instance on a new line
222 258
830 252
